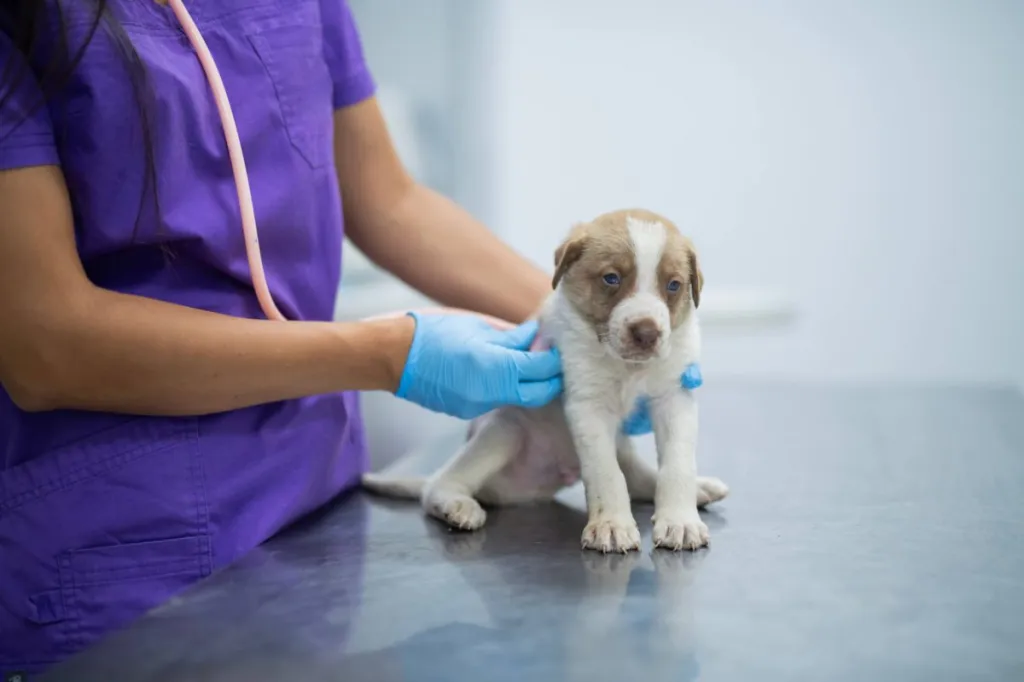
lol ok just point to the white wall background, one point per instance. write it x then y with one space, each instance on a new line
861 161
864 158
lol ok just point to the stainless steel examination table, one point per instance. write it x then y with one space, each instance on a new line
871 534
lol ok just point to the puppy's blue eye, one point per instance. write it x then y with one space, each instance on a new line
611 279
674 285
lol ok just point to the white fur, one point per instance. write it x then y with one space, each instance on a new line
514 455
648 243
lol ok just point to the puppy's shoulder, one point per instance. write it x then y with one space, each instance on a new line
588 370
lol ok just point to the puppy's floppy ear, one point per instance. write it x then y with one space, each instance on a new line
696 278
566 254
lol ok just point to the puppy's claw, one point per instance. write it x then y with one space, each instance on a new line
686 533
611 536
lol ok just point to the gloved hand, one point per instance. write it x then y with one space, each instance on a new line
639 422
464 367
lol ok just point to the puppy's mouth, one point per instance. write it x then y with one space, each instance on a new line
627 353
636 357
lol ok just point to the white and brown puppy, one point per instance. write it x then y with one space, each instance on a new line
622 314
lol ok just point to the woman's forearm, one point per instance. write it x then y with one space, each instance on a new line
426 240
120 353
441 250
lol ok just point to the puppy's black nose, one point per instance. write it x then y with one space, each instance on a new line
644 333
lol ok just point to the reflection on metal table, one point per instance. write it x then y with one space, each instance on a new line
871 534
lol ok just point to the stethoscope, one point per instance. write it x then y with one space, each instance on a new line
252 240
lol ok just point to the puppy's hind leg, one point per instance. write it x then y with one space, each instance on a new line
710 490
449 494
642 478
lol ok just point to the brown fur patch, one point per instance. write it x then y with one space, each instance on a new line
591 251
604 246
679 263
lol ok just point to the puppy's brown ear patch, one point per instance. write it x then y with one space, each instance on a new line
565 255
696 278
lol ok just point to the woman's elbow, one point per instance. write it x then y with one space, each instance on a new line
32 379
31 395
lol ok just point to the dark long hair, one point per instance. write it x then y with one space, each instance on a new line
40 32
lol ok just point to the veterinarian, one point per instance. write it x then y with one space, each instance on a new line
153 426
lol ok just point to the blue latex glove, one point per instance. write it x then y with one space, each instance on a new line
639 423
463 367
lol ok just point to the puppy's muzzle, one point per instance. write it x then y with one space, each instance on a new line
644 335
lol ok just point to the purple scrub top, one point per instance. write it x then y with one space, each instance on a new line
104 516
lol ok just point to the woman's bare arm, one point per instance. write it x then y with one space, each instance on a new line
425 239
65 343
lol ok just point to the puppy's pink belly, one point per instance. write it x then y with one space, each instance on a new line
544 464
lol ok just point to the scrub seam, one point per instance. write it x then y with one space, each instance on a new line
74 626
363 84
202 504
80 474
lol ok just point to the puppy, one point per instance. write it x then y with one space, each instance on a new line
626 288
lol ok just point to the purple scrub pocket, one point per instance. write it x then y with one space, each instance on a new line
96 533
292 52
107 587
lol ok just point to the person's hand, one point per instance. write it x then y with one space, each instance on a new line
462 366
639 422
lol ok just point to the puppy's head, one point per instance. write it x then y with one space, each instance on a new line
632 276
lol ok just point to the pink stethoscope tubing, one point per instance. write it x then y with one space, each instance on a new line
227 120
252 241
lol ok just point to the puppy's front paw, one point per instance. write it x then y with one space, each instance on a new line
680 532
463 513
611 535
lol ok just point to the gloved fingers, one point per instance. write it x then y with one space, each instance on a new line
539 393
639 422
692 377
518 338
475 324
637 426
537 365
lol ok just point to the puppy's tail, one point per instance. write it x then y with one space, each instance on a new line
409 488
